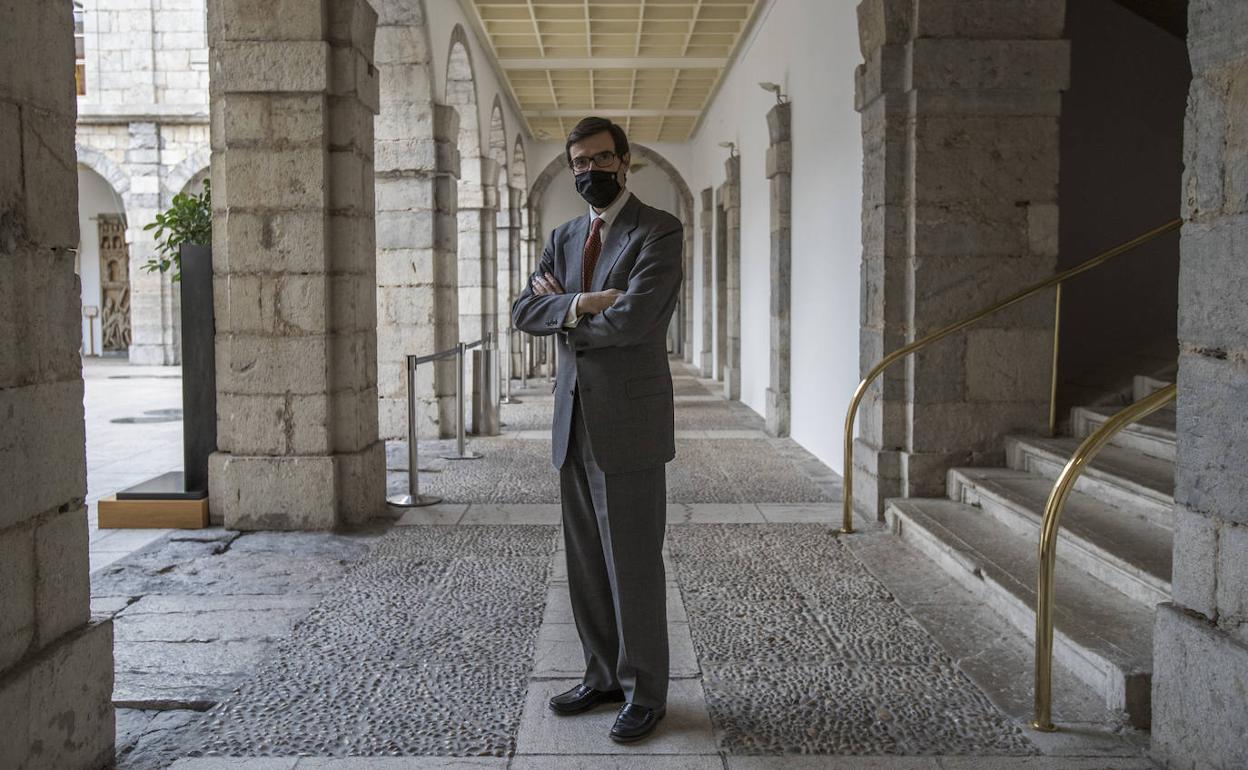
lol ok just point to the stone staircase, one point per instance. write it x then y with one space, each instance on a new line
1114 548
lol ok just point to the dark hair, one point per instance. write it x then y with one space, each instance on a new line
590 126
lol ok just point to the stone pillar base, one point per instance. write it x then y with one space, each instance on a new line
58 704
777 413
877 477
1206 670
150 355
706 367
732 383
301 492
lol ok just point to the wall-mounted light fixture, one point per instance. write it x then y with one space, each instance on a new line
732 148
775 89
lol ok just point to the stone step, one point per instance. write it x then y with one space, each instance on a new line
1122 550
1124 478
1154 435
1143 386
1101 636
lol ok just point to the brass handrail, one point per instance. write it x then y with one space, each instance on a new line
1048 542
847 524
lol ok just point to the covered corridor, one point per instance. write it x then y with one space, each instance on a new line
1019 541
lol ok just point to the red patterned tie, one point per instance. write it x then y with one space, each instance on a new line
593 247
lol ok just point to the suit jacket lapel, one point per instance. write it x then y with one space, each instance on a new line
574 254
618 236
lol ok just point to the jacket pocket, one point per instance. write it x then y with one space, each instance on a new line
648 386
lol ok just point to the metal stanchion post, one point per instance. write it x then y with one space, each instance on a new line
524 361
460 450
413 498
507 398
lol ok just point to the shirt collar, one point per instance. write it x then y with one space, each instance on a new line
611 212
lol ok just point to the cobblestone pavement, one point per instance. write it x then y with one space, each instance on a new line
434 640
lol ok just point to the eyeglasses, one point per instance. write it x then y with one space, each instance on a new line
601 160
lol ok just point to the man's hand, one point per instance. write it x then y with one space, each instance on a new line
594 302
546 284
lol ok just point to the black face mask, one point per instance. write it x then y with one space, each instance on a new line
598 188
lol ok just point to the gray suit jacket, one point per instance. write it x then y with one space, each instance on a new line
618 357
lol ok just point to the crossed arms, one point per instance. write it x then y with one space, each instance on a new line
653 285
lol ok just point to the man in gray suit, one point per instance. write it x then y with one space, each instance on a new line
613 423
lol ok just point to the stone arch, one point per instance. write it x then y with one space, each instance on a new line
102 263
505 227
104 166
461 93
521 256
477 198
415 169
558 165
184 173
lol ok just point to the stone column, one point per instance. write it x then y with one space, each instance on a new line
779 171
960 139
1200 658
154 338
508 251
294 263
705 363
687 291
56 663
416 166
730 193
721 286
478 207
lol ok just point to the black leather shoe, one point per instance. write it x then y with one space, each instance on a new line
583 698
635 722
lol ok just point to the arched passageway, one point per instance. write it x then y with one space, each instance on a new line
477 197
417 275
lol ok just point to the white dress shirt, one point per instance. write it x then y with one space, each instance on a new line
607 216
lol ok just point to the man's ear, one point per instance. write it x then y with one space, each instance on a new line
624 160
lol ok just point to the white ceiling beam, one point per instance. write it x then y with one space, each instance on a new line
600 63
632 113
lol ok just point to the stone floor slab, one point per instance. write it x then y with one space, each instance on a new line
591 762
444 514
560 655
790 762
713 513
802 513
513 513
236 763
686 729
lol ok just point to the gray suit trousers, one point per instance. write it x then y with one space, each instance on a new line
613 528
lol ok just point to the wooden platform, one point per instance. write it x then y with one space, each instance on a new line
153 514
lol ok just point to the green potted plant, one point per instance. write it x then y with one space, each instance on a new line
184 245
187 221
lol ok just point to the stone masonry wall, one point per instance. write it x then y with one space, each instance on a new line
145 108
1200 679
294 264
960 103
417 165
56 663
730 193
705 361
780 171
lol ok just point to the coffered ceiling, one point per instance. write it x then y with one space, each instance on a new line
649 65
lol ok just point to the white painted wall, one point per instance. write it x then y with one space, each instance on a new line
95 197
810 47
